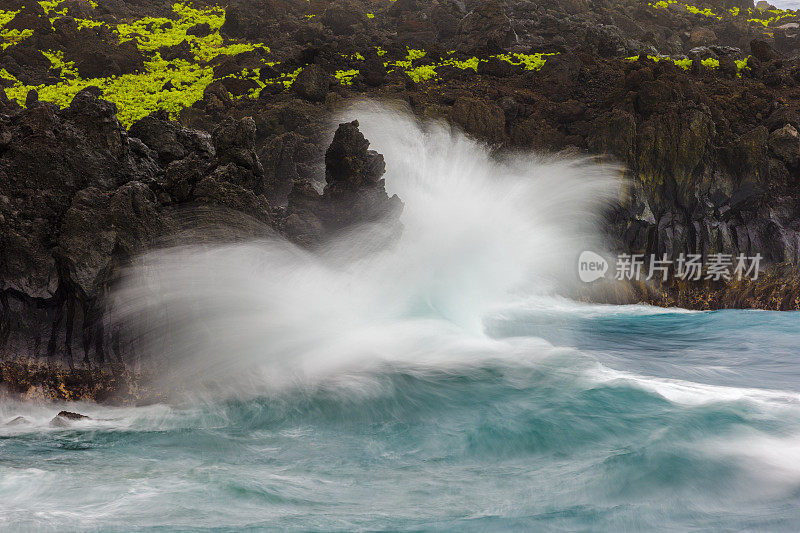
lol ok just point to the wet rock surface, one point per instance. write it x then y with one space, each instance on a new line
354 192
65 418
80 196
18 421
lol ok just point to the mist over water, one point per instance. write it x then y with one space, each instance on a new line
435 381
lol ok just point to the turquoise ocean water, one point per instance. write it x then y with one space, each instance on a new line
578 418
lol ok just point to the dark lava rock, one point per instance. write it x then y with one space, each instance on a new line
32 98
30 17
239 86
372 70
200 30
763 51
216 98
495 67
785 143
341 16
712 158
255 20
354 193
99 200
279 159
98 54
230 65
312 83
73 416
6 106
26 63
234 141
727 66
484 120
77 8
182 50
160 134
486 30
349 164
64 418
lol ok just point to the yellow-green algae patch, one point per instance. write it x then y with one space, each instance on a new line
345 77
428 71
9 37
757 16
139 94
685 64
176 84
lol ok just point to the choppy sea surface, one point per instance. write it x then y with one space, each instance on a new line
573 418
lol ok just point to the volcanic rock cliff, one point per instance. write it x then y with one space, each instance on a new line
117 116
80 196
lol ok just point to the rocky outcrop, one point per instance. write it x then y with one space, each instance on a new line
785 145
354 193
312 83
27 64
66 418
80 197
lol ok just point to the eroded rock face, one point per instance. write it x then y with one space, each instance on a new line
354 193
712 157
80 197
785 144
484 120
486 29
312 83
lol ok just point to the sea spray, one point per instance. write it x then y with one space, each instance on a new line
579 440
477 231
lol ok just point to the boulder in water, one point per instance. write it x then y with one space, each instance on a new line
64 418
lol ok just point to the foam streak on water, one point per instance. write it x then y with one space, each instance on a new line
435 383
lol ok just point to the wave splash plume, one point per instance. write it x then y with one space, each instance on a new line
476 232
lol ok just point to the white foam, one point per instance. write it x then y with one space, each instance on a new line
553 304
692 393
